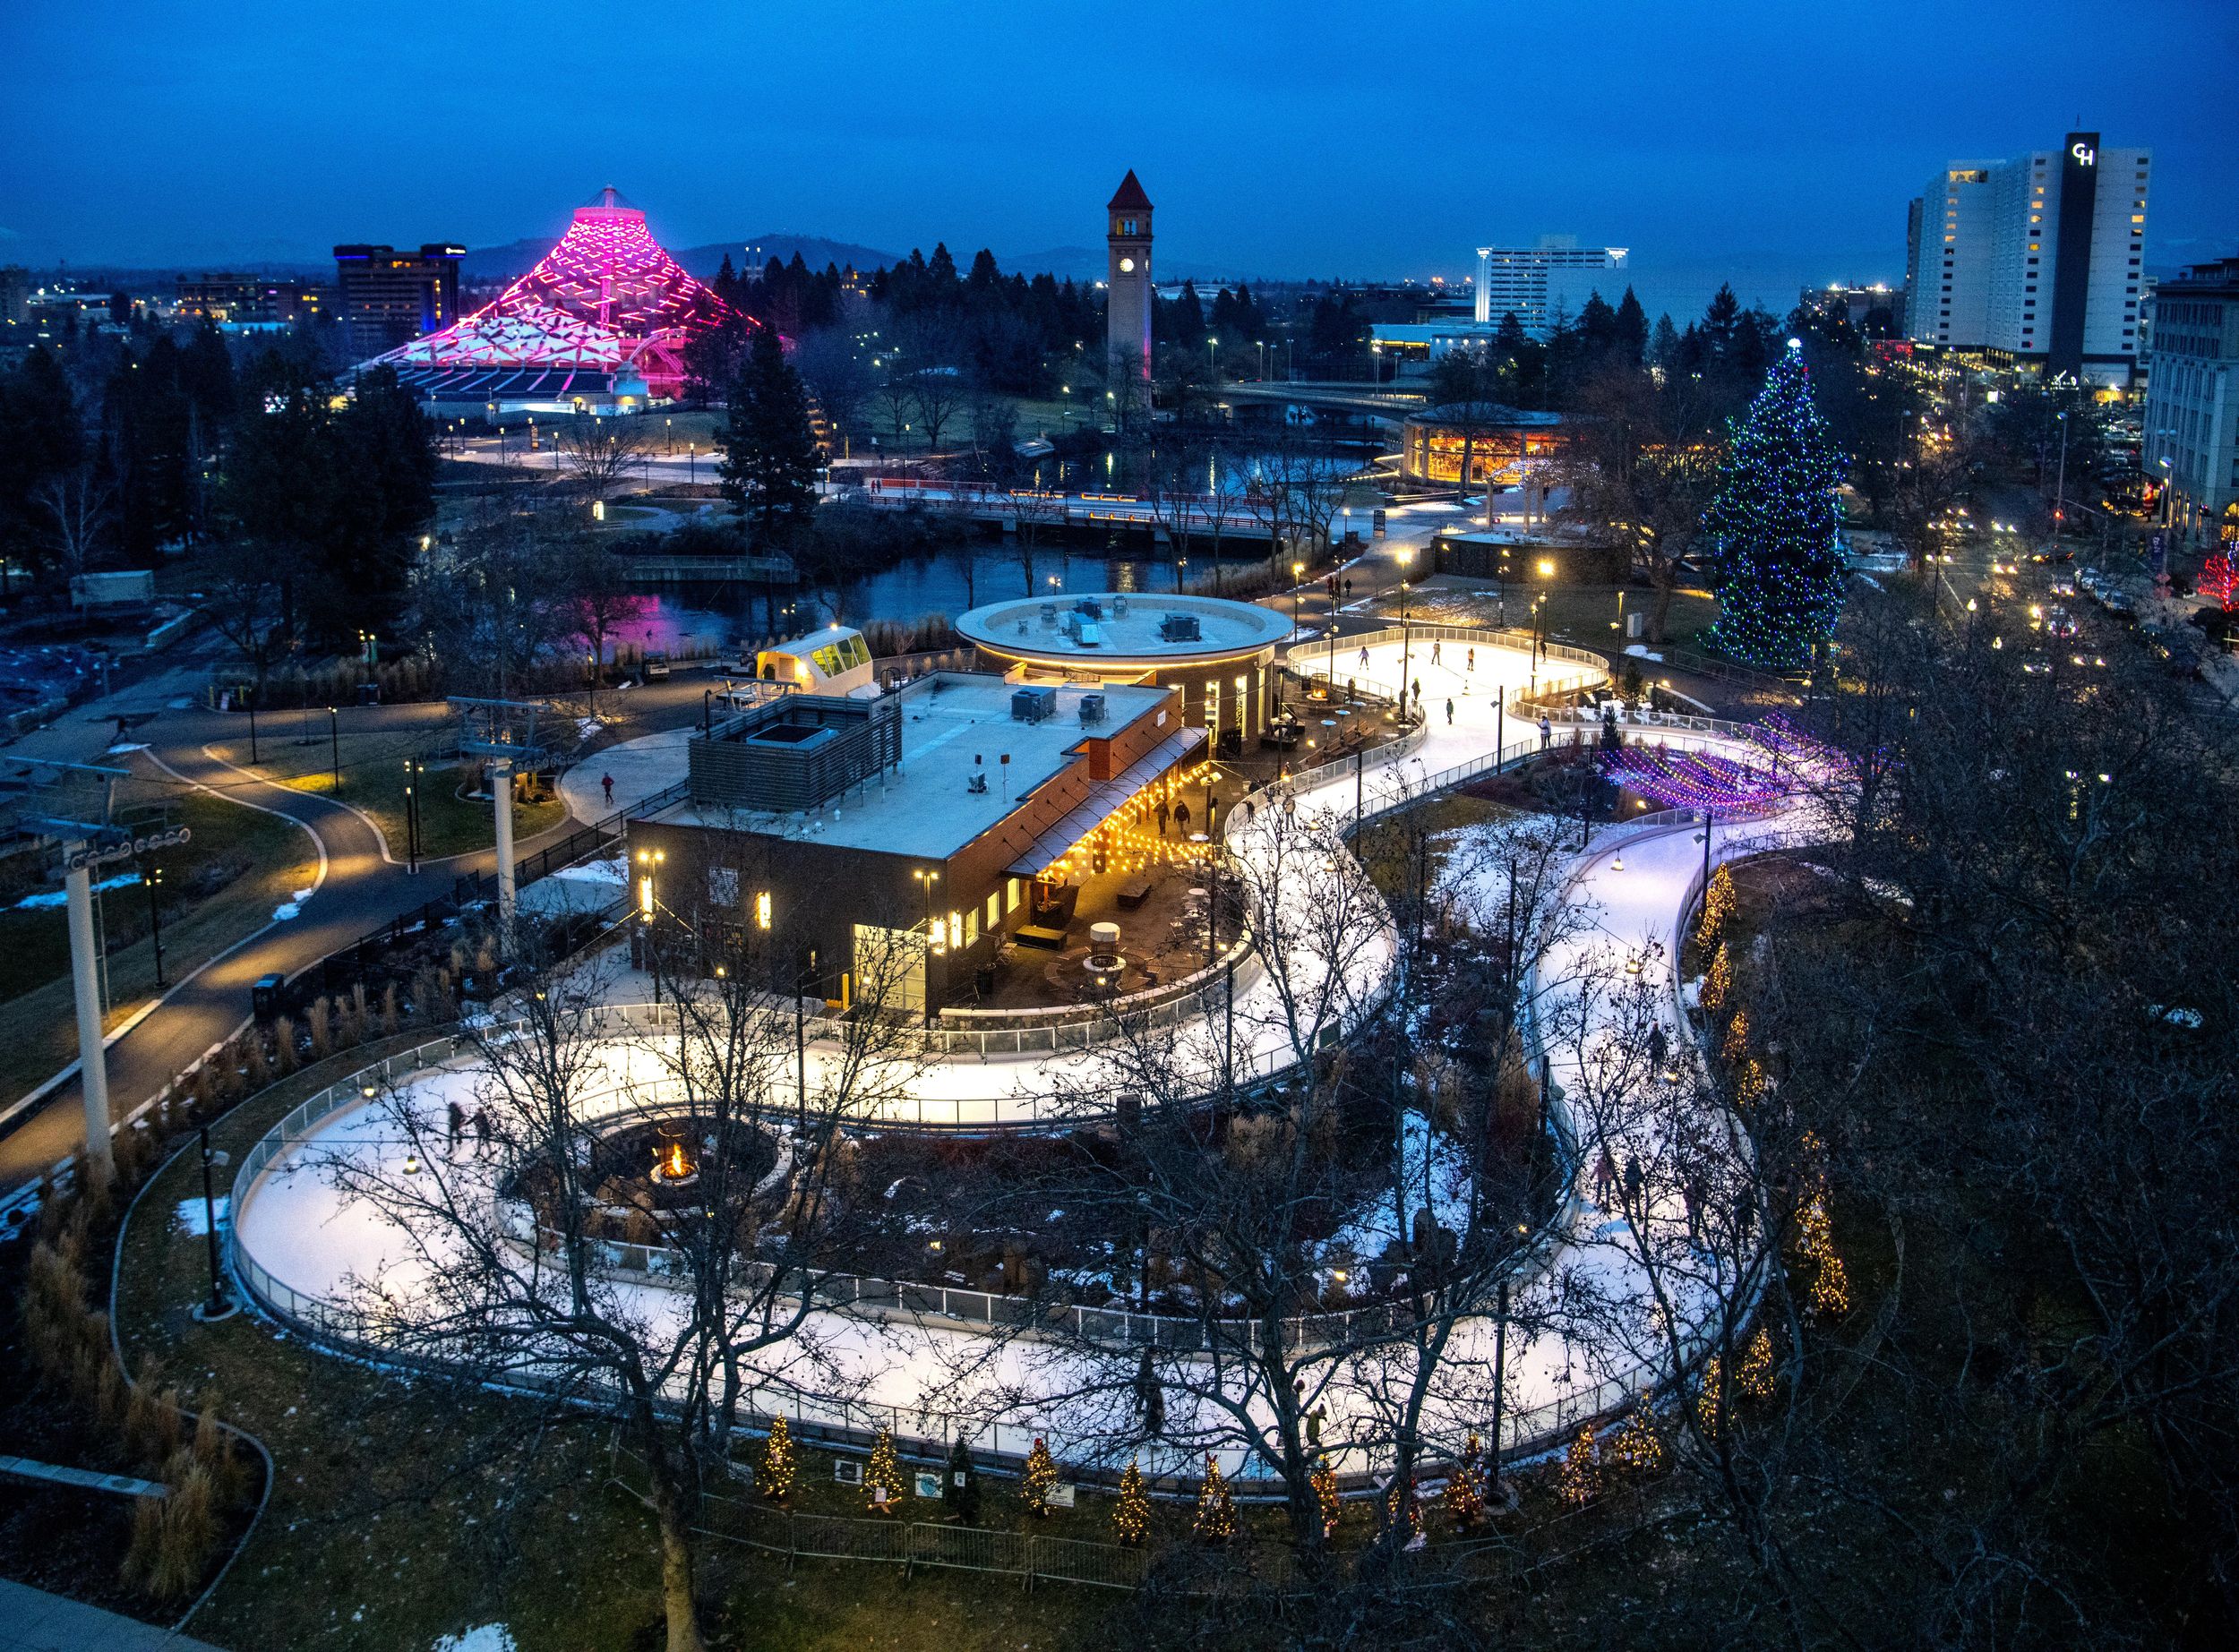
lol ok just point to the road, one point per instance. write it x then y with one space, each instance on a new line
361 883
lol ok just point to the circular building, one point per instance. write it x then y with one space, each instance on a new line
1220 655
1474 443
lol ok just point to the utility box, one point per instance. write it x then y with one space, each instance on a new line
1033 704
264 997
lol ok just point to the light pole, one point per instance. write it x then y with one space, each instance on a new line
926 880
155 918
1298 569
217 1307
1406 554
334 747
411 815
648 905
1211 365
2060 487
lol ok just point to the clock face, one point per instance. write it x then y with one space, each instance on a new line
1127 266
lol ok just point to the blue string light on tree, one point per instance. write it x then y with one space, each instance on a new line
1772 527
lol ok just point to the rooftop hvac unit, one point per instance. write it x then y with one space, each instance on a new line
1092 708
1033 705
1089 608
1083 629
1179 627
1049 616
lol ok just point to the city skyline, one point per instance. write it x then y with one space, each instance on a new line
1401 168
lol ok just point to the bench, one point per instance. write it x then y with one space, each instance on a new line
1133 893
1039 935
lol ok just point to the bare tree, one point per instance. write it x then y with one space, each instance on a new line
80 509
721 1165
596 589
599 456
244 600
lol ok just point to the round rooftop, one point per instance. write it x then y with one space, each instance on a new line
1123 626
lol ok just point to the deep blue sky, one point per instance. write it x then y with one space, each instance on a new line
1298 138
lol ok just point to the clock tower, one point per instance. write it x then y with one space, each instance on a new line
1128 295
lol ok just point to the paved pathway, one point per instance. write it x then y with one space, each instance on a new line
33 1621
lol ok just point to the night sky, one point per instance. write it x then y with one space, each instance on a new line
1776 140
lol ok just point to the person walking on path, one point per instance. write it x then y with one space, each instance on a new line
1605 1175
1472 660
1251 811
1547 732
482 1132
458 1121
1364 656
1163 813
1449 712
607 781
1181 817
1434 651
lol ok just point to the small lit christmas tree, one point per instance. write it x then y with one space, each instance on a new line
1718 981
1324 1483
1403 1510
1131 1520
1753 1373
1719 903
1734 1045
1040 1479
1708 1411
1772 528
1831 1282
2219 579
884 1474
774 1477
1216 1509
1465 1487
1638 1447
1579 1482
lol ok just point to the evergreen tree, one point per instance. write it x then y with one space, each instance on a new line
1631 329
1039 1480
774 1479
960 1485
1216 1509
884 1474
769 457
1131 1520
1772 528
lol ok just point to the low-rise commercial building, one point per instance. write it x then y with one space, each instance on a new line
2192 425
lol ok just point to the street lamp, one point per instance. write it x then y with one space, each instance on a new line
1211 365
1297 570
1406 554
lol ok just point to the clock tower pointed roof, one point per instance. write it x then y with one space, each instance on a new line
1130 196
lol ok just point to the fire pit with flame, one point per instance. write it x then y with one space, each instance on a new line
672 1167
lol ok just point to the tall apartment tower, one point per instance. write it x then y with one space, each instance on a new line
2037 262
1538 283
390 298
1128 292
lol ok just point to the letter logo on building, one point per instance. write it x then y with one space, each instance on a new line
2086 156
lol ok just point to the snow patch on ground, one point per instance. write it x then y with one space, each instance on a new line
489 1637
56 897
190 1216
1434 1164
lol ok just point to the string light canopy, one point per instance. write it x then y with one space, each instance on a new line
1783 762
1772 528
606 310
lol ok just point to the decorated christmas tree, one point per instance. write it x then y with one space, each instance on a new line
1403 1510
1580 1481
1324 1481
1753 1375
1772 527
960 1485
776 1476
1040 1479
1217 1511
884 1474
1465 1487
1638 1447
1131 1520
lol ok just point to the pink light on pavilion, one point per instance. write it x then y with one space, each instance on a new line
607 304
1785 761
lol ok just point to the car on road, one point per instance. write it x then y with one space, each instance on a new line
655 667
2052 558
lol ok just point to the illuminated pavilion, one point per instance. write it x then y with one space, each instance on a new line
600 324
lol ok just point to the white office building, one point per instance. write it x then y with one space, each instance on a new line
1538 284
2191 446
2035 262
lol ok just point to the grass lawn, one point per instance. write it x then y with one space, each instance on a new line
221 885
373 780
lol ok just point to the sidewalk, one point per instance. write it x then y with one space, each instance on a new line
33 1621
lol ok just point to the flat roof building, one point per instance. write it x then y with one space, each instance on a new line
934 819
2037 262
1217 654
388 298
2192 428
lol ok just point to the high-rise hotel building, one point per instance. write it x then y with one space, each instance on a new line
2035 263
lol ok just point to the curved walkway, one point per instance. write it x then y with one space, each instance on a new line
1625 899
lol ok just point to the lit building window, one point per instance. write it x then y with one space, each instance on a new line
761 909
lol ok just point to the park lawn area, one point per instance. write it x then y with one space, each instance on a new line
250 862
373 782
